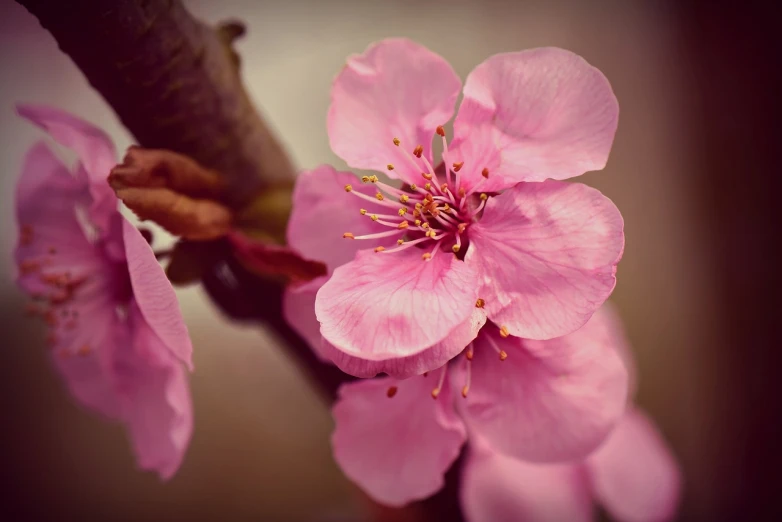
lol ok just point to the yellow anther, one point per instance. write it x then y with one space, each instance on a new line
431 233
373 178
404 198
348 235
348 188
397 142
458 166
402 211
425 226
390 167
419 206
504 331
365 179
373 217
428 186
400 241
379 196
413 186
485 172
363 211
427 256
379 249
445 208
418 222
484 197
480 303
403 225
455 249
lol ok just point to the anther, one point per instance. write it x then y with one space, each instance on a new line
404 198
428 186
400 241
503 355
348 235
435 393
504 331
418 151
426 256
379 196
446 208
470 353
397 142
429 198
374 179
462 192
465 389
425 226
373 217
485 172
348 188
393 389
379 249
458 166
365 179
413 186
484 197
403 225
363 211
460 228
426 176
431 233
444 187
418 222
480 303
390 167
402 211
440 131
455 249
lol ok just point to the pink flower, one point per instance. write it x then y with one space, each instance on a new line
115 329
492 236
632 475
552 400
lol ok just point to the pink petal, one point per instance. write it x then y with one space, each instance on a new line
549 401
404 367
496 488
92 145
548 253
550 113
395 89
51 239
323 211
398 448
155 397
382 306
634 474
298 308
155 295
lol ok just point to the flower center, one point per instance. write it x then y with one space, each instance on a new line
432 215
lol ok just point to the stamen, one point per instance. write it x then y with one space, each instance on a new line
376 236
392 389
497 349
348 235
480 207
390 167
485 173
461 228
458 244
397 142
379 249
418 151
363 211
405 245
466 387
480 303
376 200
458 166
470 353
436 391
504 331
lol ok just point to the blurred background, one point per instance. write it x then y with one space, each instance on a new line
690 170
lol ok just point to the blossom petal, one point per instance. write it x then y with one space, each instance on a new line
95 151
548 253
398 448
549 401
298 308
323 211
381 306
51 240
155 296
155 397
550 113
634 475
404 367
498 488
395 89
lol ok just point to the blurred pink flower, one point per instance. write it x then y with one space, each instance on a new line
493 235
115 329
554 400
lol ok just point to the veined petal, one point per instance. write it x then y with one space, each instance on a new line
548 112
383 306
155 296
498 488
634 475
298 307
395 89
548 254
548 401
404 367
395 445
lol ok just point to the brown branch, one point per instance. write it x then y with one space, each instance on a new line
174 83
